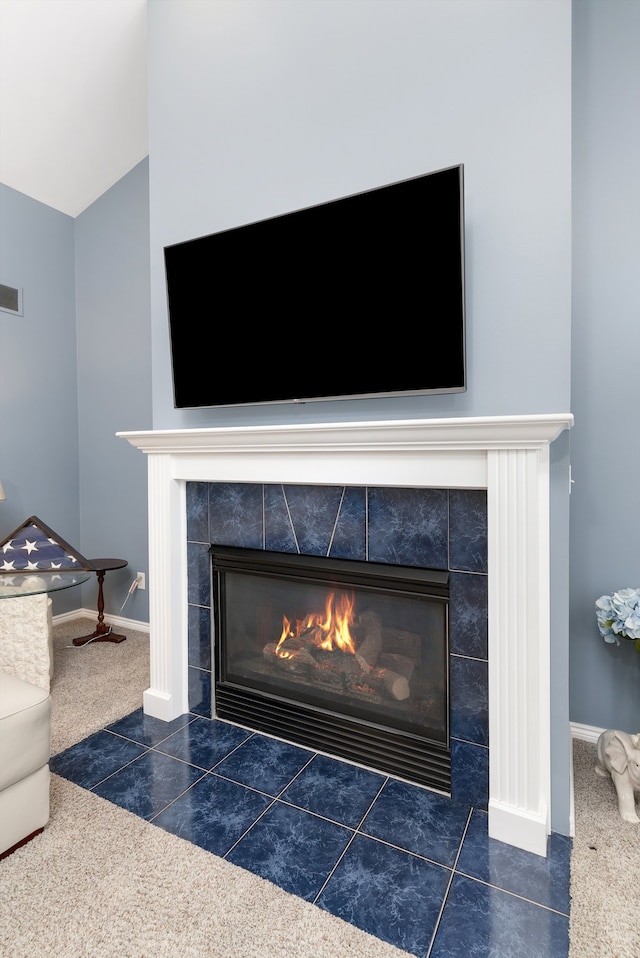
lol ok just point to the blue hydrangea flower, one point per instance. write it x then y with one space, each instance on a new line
619 614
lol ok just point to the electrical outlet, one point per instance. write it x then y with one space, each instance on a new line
141 580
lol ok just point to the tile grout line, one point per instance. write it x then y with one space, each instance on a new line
269 806
356 831
91 788
205 771
449 883
513 894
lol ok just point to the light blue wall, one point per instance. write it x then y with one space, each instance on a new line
38 374
260 107
74 370
114 384
605 453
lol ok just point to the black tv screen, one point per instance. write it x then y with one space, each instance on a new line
357 297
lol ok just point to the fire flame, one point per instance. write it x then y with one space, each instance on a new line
328 630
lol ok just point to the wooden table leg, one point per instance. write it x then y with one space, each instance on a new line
103 632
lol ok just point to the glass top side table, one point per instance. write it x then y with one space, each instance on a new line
14 585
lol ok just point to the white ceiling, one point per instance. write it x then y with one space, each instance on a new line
73 97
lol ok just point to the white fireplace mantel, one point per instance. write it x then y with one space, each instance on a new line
508 456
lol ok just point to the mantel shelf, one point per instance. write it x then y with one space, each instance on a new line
494 432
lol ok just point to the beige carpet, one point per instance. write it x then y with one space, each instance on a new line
95 684
103 883
605 868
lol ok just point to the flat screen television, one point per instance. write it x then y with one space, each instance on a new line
356 297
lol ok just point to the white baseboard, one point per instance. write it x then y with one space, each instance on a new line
115 620
516 827
587 733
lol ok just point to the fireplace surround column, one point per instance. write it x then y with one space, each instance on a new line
507 456
519 646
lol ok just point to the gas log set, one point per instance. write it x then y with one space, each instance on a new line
370 662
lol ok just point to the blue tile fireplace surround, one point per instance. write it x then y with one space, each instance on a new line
430 528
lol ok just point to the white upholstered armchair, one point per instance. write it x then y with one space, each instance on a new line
25 719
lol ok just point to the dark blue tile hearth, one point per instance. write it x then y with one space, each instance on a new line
335 790
95 758
387 893
145 729
402 863
264 763
204 743
292 848
484 922
148 784
542 880
419 821
214 814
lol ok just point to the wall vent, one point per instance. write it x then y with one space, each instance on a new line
10 300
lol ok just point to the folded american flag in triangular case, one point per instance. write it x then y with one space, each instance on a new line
34 547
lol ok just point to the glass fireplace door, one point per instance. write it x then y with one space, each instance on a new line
348 657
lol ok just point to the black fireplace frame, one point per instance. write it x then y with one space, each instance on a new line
416 758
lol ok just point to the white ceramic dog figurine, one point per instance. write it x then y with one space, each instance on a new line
619 757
